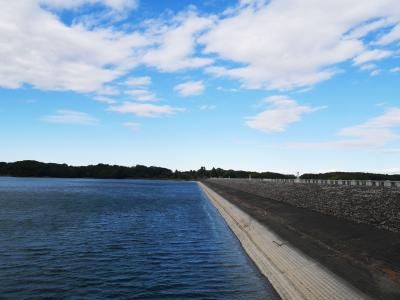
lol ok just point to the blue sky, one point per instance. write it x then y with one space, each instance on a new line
281 85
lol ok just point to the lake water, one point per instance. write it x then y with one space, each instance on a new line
118 239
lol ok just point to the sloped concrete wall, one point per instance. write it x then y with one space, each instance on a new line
293 275
378 206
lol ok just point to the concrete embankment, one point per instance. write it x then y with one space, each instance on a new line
293 274
363 255
374 205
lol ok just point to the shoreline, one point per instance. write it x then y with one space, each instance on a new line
293 274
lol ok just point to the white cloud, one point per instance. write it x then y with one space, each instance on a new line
71 4
395 70
60 57
391 37
372 68
135 127
70 117
391 118
145 110
272 44
372 55
141 95
223 89
375 72
376 132
138 81
190 88
368 67
139 89
282 112
102 99
368 27
82 59
108 90
290 44
176 43
207 107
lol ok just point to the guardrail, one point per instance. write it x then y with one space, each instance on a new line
381 183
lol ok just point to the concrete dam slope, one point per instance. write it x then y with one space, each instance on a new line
293 274
378 206
361 257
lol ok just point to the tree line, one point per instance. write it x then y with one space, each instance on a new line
31 168
351 176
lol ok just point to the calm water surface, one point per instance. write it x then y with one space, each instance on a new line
118 239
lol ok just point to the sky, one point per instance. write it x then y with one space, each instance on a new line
282 85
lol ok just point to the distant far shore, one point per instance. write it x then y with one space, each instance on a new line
31 168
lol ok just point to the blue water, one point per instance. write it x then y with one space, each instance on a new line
118 239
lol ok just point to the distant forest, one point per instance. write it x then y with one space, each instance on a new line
350 176
30 168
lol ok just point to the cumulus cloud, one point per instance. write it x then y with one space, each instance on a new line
82 59
138 81
368 27
372 55
290 44
60 57
70 117
281 112
176 43
391 37
274 44
145 110
190 88
141 95
374 133
118 5
108 90
138 88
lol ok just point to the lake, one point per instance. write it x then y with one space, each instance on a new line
118 239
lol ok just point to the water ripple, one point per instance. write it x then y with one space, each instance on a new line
127 239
